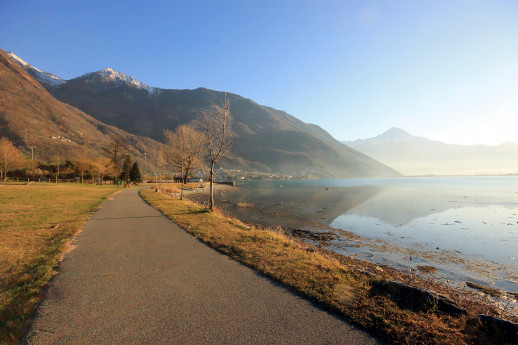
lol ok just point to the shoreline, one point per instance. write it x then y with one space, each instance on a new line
386 301
368 253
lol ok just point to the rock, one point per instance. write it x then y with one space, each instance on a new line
420 299
366 273
496 322
494 329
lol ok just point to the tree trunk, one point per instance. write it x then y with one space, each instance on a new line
82 174
183 180
211 192
115 168
186 176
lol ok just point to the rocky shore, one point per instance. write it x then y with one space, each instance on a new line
461 297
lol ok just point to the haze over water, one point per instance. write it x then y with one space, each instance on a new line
467 227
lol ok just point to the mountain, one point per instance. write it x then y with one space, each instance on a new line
266 139
414 155
108 77
30 116
43 77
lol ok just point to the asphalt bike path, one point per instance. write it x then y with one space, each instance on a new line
135 277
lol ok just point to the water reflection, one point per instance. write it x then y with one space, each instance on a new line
280 200
474 217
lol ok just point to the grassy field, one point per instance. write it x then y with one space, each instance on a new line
36 222
339 283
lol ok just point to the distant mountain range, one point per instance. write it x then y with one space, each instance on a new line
30 116
266 139
414 155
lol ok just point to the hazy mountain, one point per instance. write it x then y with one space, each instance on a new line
266 139
30 116
420 156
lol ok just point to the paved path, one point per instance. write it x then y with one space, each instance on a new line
137 278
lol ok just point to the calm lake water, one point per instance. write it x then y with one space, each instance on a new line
467 227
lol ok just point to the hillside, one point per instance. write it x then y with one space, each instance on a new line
30 116
414 155
266 139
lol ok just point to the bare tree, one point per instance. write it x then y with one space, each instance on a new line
57 158
216 123
32 166
185 146
104 166
159 159
10 158
82 163
115 149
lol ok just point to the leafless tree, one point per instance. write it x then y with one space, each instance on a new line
185 149
215 123
158 158
10 158
115 149
83 163
104 166
57 158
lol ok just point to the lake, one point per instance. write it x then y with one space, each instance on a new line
466 227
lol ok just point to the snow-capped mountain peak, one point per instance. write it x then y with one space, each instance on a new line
18 59
110 75
41 76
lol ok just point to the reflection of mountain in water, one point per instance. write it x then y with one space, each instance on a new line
398 206
473 219
393 201
273 205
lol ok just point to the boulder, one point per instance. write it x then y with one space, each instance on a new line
419 299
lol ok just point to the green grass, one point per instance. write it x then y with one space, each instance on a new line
36 222
334 282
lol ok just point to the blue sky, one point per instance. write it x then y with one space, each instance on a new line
446 70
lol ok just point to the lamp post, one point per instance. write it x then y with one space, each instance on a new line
145 163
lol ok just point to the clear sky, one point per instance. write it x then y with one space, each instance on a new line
446 70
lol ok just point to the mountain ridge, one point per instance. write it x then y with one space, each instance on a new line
110 75
413 155
266 139
31 117
39 75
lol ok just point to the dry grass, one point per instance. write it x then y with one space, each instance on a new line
485 289
173 188
170 188
319 275
36 221
426 269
